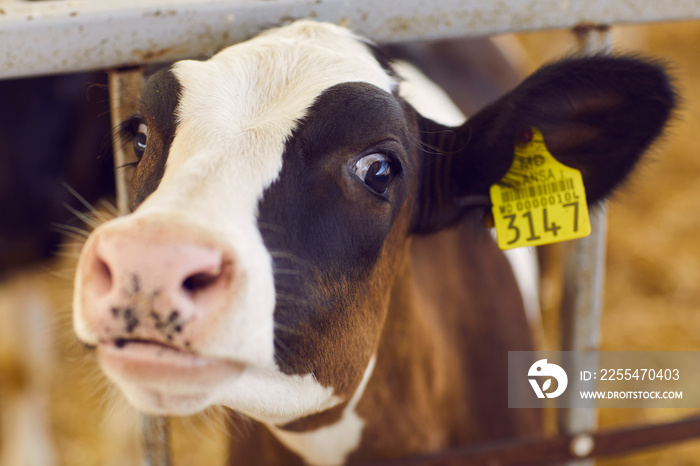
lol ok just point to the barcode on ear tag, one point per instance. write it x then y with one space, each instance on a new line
539 200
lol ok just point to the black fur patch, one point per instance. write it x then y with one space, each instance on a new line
323 226
159 99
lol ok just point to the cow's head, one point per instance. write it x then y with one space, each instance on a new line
278 186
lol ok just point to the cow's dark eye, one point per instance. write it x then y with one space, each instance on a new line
376 171
140 138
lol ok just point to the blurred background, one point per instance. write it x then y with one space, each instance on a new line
652 286
652 295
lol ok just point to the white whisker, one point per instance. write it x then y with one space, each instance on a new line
285 328
111 208
85 218
87 205
69 255
70 235
289 298
62 228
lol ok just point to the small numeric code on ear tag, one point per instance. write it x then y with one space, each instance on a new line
539 200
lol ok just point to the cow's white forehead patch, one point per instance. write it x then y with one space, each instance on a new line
249 98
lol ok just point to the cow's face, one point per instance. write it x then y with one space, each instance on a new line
271 211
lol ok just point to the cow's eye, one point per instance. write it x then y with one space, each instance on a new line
376 171
140 138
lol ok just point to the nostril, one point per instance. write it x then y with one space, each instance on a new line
201 281
209 269
102 275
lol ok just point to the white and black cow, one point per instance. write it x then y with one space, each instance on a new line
307 250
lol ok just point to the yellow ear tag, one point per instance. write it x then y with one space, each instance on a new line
539 201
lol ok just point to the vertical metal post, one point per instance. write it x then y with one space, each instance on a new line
593 39
156 433
584 278
124 90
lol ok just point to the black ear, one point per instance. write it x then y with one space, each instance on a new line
597 114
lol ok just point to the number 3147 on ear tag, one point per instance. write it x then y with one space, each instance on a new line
539 200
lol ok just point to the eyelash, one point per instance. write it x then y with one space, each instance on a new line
387 151
127 131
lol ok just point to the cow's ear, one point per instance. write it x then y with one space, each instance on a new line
597 114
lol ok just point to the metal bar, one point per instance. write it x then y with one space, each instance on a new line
583 288
124 92
156 434
63 36
541 451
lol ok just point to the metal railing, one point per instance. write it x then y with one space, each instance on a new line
62 36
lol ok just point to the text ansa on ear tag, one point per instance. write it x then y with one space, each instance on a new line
539 200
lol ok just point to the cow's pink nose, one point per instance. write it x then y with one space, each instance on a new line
175 267
145 286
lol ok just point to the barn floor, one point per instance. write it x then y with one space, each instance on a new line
652 299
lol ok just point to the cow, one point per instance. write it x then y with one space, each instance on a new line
308 251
